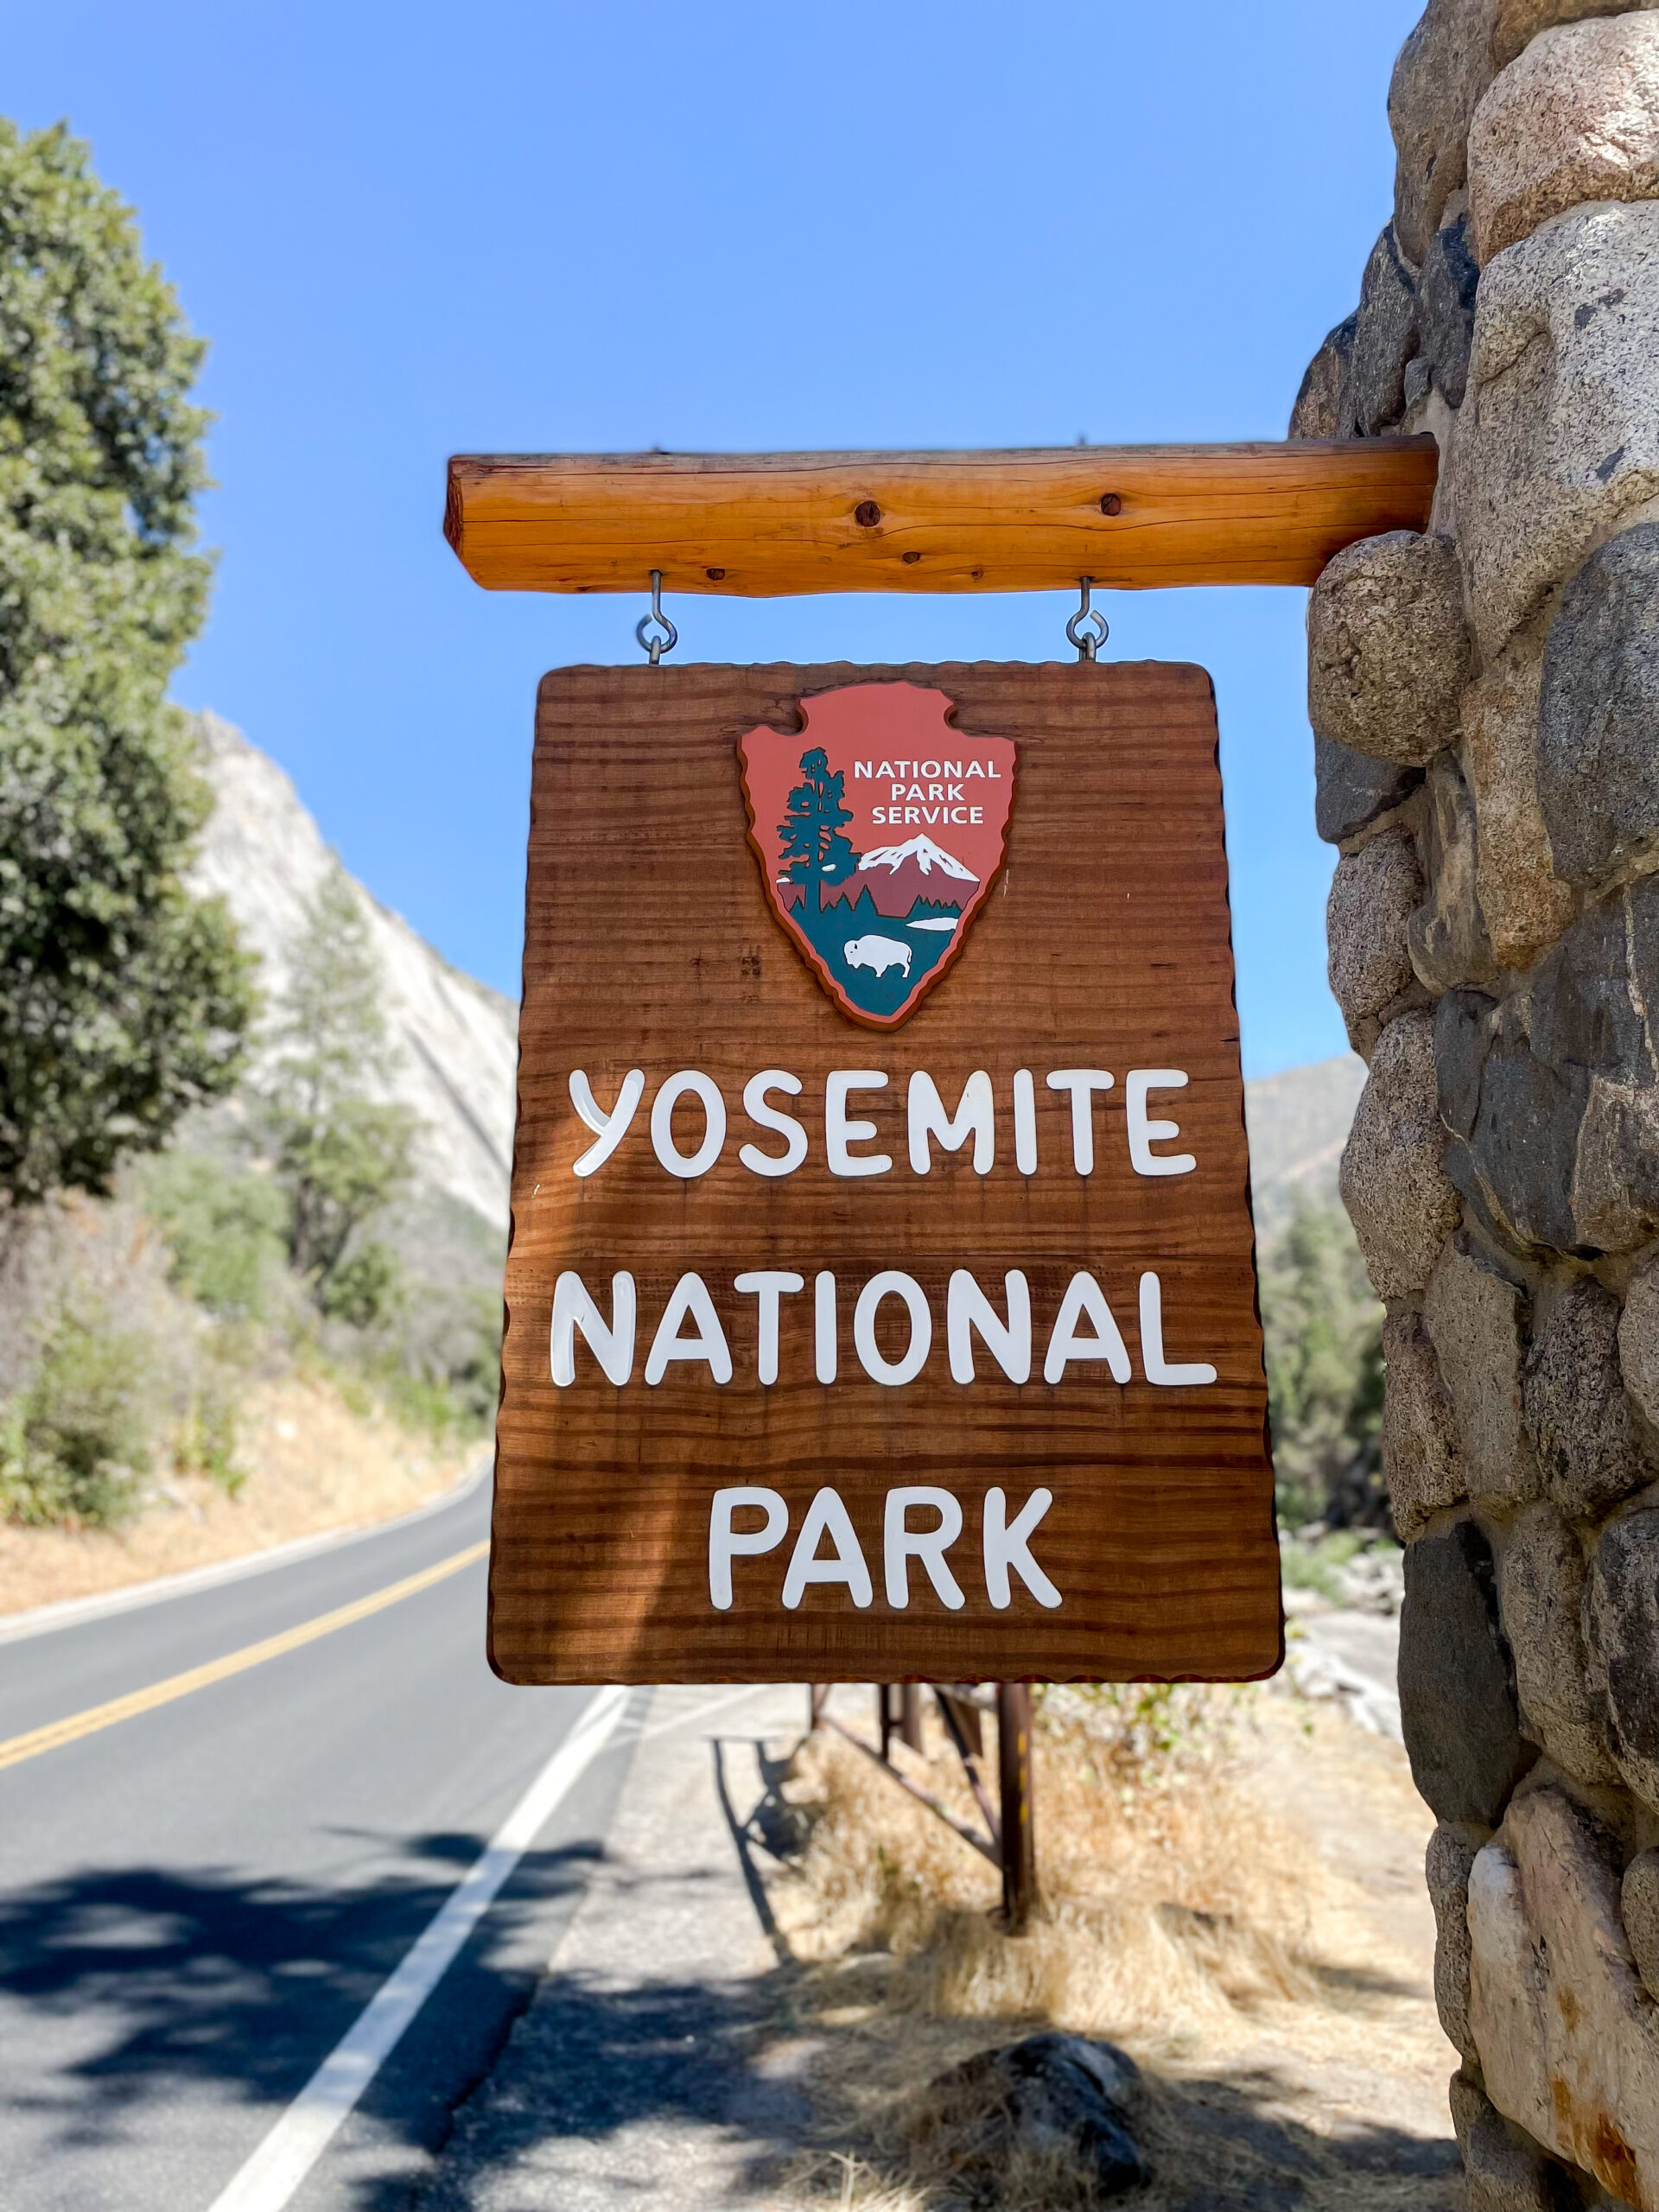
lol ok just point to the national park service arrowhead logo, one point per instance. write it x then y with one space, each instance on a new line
879 830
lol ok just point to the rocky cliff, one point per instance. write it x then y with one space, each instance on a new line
458 1041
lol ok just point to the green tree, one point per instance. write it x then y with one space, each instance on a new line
122 1000
813 844
341 1153
1324 1327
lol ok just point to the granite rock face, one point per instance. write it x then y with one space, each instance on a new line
1638 1339
1373 893
1322 410
1639 1906
1387 335
1447 938
1422 1459
1446 287
1387 647
1558 435
1516 22
1458 1706
1505 2171
1621 1617
1599 738
1523 905
1575 117
1588 1440
1541 1586
1446 1866
1567 2036
1476 1321
1350 791
1443 68
1397 1191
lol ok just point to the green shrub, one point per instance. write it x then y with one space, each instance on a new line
1324 1329
225 1228
205 1441
77 1437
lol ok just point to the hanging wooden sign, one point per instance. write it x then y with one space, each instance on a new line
882 1296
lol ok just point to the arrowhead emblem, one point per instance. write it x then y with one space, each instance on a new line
879 830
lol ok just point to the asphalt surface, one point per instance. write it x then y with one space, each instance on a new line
196 1902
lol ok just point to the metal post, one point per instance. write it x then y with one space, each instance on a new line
1019 1840
910 1714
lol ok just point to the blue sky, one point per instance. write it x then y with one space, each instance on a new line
410 230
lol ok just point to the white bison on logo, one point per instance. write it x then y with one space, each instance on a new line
878 952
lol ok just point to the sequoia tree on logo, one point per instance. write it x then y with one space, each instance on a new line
878 829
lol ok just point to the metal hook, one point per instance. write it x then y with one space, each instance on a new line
1088 643
656 646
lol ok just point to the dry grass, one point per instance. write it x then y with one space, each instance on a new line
1281 2018
311 1463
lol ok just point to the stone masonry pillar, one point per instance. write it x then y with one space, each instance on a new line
1485 705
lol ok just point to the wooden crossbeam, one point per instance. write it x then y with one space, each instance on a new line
762 526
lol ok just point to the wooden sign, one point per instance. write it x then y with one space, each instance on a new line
881 1297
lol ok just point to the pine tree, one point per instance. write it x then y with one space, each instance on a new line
124 1001
812 840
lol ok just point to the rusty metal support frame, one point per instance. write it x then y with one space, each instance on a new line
1009 1840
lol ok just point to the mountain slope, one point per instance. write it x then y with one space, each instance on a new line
1298 1122
458 1041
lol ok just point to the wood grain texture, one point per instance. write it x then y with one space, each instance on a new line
649 944
759 525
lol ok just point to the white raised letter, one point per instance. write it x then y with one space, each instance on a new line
1025 1121
1081 1083
1085 1299
612 1345
1144 1134
900 1544
610 1129
768 1285
725 1544
967 1308
1152 1344
690 1300
891 1284
662 1123
768 1117
1007 1544
839 1132
974 1117
827 1514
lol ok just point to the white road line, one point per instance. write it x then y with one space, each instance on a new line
269 2179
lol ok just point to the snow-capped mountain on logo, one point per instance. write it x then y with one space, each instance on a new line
878 923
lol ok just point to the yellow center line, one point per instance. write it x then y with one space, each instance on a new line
17 1748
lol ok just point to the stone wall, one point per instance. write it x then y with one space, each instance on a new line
1485 705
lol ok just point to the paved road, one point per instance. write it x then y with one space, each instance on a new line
196 1902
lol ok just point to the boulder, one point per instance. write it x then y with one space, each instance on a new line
1589 1442
1476 1320
1638 1339
1558 435
1422 1464
1446 308
1350 789
1523 904
1050 2095
1621 1619
1457 1707
1515 1121
1504 2170
1372 895
1598 734
1639 1909
1443 68
1540 1588
1387 333
1447 1865
1517 21
1573 118
1387 652
1322 410
1397 1193
1567 2036
1447 937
